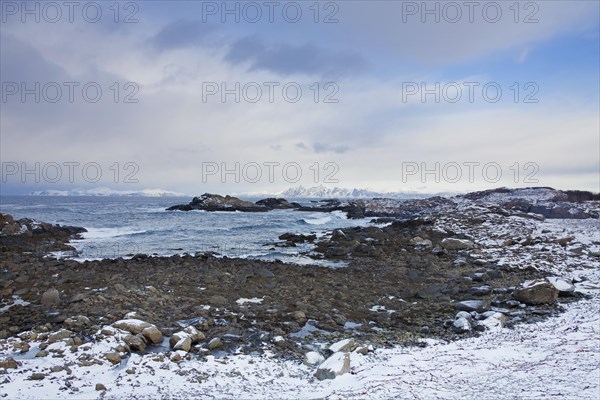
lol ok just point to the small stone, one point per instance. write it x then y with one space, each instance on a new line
471 305
313 358
60 335
214 343
456 244
461 325
8 363
50 297
463 314
37 376
299 315
42 353
364 350
56 368
217 301
130 371
175 357
113 357
100 386
425 330
184 344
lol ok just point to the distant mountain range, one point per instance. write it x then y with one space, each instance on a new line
104 191
324 192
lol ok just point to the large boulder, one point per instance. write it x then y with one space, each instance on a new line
337 364
131 325
539 292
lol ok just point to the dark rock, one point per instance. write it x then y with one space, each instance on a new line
471 305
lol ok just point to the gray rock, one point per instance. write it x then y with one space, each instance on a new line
50 297
461 325
217 301
100 386
463 314
37 376
480 290
564 288
457 244
337 364
471 305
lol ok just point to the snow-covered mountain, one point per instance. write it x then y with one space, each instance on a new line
324 192
104 191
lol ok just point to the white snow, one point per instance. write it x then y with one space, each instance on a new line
254 300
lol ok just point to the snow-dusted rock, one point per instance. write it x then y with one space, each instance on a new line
461 325
152 334
564 288
457 244
133 326
343 345
536 293
313 358
184 344
337 364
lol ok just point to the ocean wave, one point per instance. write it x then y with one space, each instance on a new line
316 221
105 233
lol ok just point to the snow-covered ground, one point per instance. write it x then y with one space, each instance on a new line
556 358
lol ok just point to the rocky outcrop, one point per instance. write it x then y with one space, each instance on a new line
276 204
215 202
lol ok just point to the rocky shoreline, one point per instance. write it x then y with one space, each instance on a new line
434 269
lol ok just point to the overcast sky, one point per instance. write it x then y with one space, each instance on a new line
351 94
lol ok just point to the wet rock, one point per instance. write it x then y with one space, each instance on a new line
50 297
536 293
337 364
457 244
471 305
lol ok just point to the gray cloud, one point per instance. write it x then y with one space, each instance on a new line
283 58
184 33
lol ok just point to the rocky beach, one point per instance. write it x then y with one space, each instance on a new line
476 268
